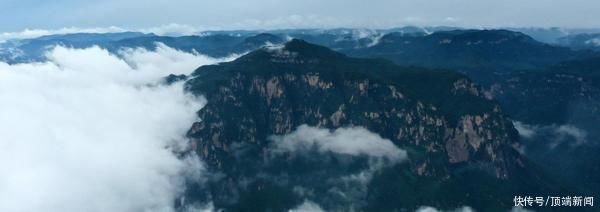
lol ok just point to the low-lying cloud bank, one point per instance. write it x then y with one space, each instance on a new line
432 209
465 209
346 190
558 134
349 141
90 131
307 206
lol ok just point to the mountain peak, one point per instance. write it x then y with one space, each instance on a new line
295 51
308 50
495 36
456 133
295 42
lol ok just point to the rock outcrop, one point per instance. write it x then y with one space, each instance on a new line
442 119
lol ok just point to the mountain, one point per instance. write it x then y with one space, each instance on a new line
559 108
581 41
460 140
451 145
26 50
554 91
545 35
553 35
211 44
474 52
214 45
481 54
91 37
259 40
340 39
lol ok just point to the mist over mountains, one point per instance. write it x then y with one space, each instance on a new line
401 119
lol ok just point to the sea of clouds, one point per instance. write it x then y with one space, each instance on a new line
91 131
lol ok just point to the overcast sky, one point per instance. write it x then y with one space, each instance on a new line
17 15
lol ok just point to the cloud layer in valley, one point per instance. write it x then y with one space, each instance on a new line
346 190
307 206
349 141
556 134
90 131
432 209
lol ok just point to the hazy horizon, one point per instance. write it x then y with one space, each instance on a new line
272 14
175 29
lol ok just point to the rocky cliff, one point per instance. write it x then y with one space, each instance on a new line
452 132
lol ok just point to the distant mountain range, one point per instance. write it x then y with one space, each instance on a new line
26 50
224 43
480 54
581 41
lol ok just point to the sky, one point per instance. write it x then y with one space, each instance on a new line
18 15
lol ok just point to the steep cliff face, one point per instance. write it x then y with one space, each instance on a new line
449 128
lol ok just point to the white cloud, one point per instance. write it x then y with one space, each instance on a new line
200 208
559 133
427 209
432 209
351 141
524 130
165 60
307 206
593 41
570 130
375 40
87 131
348 141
